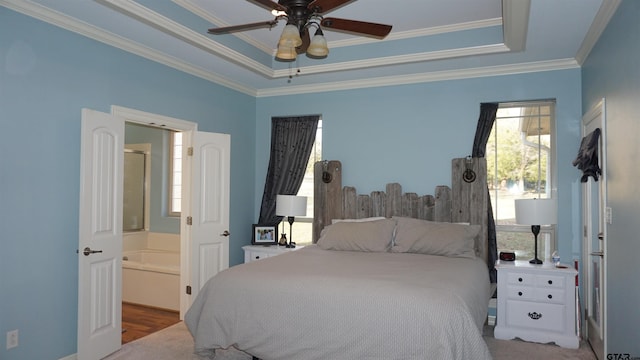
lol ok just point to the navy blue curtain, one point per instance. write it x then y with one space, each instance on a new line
292 139
487 117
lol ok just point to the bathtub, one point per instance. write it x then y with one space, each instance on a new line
152 278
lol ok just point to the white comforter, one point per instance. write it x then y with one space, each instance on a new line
322 304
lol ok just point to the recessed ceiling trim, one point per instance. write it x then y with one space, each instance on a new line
515 15
436 30
158 21
397 59
457 74
206 15
55 18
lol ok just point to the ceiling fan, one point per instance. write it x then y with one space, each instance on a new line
300 15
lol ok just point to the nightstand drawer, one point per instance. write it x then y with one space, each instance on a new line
547 317
555 296
521 279
256 255
521 292
550 281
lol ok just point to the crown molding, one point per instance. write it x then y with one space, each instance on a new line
512 69
47 15
516 23
397 59
436 30
42 13
600 22
152 18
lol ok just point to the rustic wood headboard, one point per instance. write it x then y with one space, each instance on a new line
466 200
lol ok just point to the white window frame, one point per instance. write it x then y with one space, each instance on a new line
546 231
174 193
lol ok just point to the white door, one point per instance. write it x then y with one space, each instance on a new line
594 219
100 235
209 207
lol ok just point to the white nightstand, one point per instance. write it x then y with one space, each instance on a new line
257 252
536 303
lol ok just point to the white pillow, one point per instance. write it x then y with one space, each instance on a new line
435 238
372 236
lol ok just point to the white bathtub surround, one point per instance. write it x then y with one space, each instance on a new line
151 271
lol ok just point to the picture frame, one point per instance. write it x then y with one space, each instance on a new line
264 235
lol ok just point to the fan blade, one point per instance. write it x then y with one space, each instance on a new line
323 6
270 5
358 27
306 40
228 29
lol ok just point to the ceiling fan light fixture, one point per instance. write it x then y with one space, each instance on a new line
290 37
286 53
318 48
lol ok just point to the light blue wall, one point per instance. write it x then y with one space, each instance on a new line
159 139
612 71
409 134
47 75
405 134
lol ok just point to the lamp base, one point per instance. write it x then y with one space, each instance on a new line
535 229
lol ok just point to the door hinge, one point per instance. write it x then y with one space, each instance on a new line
188 289
190 151
189 220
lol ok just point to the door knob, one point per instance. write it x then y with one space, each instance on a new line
87 251
225 233
597 253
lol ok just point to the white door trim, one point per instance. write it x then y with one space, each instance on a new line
188 129
596 114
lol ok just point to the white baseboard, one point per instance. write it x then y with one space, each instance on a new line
70 357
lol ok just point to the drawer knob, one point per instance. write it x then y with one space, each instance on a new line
520 279
550 282
519 293
257 257
550 296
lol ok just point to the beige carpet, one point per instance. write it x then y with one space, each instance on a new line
175 343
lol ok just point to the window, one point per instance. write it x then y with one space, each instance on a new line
520 164
303 225
175 173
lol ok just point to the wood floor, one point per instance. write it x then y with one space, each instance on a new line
139 321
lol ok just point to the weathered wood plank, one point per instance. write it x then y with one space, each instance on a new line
394 200
426 207
378 203
364 207
349 204
327 195
469 202
410 205
442 206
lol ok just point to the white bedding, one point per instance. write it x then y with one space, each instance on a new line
323 304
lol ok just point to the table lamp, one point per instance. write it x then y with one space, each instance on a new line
291 206
536 212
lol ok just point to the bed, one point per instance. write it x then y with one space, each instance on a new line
389 276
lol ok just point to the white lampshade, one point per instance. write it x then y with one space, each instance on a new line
290 36
291 205
286 53
318 46
536 211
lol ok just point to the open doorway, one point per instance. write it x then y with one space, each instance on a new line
204 220
151 230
